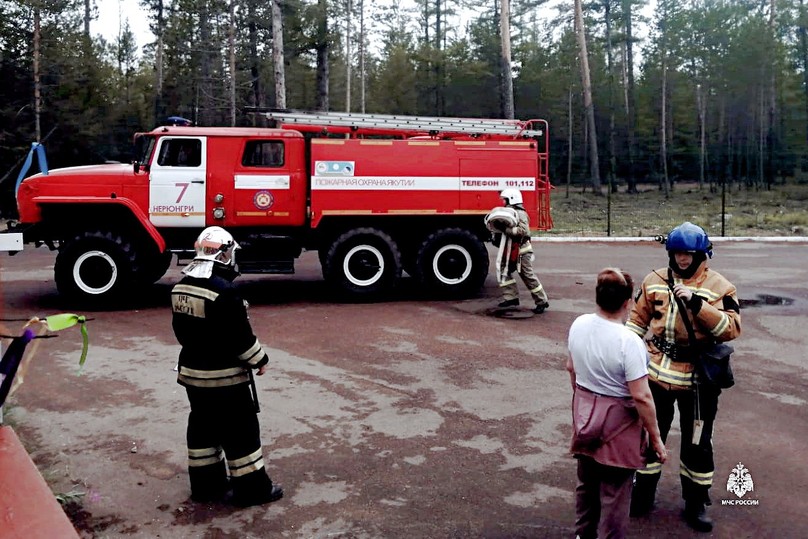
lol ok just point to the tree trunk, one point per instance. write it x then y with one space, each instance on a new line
37 83
362 39
607 4
507 78
803 33
772 137
205 109
663 147
322 56
439 101
663 117
231 47
594 165
158 68
278 64
631 108
569 141
255 71
348 23
761 138
87 17
702 110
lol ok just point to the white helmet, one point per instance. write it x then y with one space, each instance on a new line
511 196
214 244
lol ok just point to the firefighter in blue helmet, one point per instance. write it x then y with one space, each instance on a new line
520 236
219 354
710 302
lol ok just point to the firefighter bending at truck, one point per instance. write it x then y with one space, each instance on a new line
711 304
218 356
521 259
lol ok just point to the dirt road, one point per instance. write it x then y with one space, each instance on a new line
407 418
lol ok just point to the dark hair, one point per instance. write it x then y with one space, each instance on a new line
614 287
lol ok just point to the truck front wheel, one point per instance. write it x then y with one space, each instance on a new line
153 269
452 262
363 262
94 267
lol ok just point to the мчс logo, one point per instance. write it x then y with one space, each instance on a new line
739 483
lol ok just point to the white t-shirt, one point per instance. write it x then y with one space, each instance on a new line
606 355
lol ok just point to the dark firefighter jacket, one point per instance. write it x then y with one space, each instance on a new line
211 324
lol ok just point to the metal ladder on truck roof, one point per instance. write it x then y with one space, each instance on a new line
389 124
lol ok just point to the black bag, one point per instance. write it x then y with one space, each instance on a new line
713 366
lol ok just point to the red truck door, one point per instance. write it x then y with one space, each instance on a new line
177 182
269 183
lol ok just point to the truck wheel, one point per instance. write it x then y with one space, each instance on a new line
154 268
452 262
95 267
363 262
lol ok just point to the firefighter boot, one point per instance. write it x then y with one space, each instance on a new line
696 516
509 303
255 488
273 494
643 494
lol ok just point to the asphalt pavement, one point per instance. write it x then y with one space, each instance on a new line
407 418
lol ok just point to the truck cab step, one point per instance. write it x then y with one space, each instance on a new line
286 266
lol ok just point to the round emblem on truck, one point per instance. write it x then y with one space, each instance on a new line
263 200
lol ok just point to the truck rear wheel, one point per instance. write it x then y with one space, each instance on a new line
363 262
452 262
95 267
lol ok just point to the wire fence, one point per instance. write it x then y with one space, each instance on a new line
723 210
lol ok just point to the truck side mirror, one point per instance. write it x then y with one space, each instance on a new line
138 167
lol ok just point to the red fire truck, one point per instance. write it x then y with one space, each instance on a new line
374 195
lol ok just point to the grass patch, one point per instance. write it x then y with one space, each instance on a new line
741 211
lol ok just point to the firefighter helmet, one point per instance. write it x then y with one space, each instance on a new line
511 196
691 238
216 244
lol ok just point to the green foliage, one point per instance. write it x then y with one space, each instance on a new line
740 211
747 67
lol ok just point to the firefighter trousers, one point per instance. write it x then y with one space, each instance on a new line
696 467
224 439
511 292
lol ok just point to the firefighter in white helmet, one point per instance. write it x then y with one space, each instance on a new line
219 353
522 257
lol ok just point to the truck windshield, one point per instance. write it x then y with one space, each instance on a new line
144 145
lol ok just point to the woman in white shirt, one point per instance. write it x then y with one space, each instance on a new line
613 410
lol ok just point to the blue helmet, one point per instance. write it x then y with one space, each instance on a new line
689 237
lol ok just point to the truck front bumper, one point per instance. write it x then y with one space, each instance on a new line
11 241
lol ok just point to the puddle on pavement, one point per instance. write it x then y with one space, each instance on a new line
765 300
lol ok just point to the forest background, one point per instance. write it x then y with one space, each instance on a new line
709 105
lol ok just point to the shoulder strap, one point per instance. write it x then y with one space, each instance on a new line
691 335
